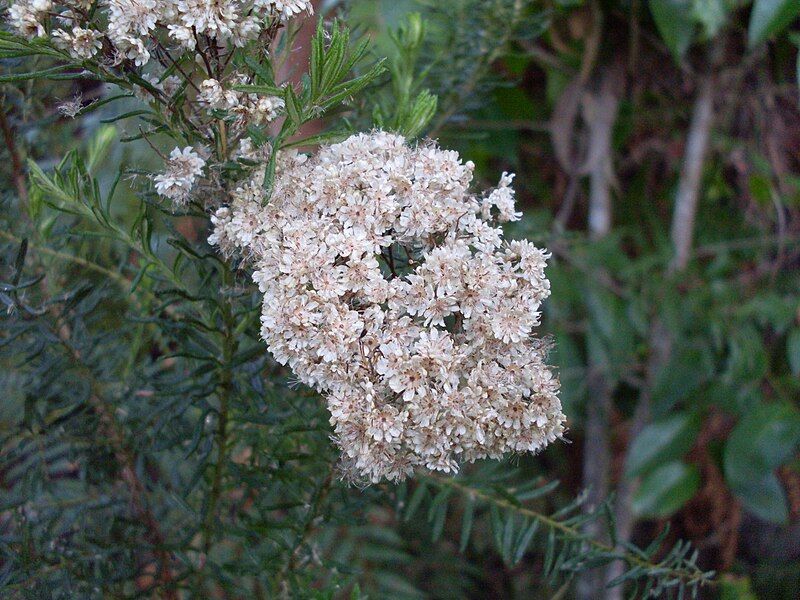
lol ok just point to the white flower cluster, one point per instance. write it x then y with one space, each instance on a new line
247 108
183 169
389 288
164 45
130 26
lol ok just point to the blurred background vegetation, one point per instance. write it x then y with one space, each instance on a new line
657 151
657 147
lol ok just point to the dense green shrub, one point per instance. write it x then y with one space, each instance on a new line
152 447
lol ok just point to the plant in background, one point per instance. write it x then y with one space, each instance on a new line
671 198
151 445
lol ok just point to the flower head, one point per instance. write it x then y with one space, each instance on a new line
183 169
389 288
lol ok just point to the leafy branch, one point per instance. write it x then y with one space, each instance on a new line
567 547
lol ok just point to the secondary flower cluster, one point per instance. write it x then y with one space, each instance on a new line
163 47
132 28
245 108
389 288
183 169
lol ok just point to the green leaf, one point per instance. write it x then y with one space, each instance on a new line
675 24
793 350
765 498
43 74
524 540
422 111
416 500
762 441
98 147
688 368
509 529
294 107
666 489
748 360
466 523
262 89
353 86
316 60
661 442
770 17
736 588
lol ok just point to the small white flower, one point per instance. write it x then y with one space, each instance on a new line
183 169
80 43
28 17
129 23
290 8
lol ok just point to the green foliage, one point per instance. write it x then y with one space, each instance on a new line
675 24
98 409
515 524
327 86
762 441
770 17
662 442
151 446
665 489
406 111
793 350
731 328
677 21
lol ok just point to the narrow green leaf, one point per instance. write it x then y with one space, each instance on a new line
438 500
416 500
537 492
466 522
269 171
42 74
352 87
139 276
524 540
294 108
497 526
127 115
315 61
19 261
260 89
437 525
549 553
421 113
508 537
